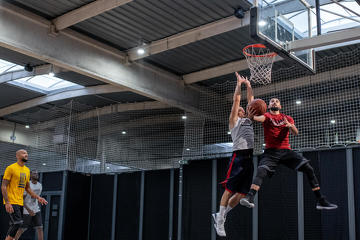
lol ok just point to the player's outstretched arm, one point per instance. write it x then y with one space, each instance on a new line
34 195
236 101
251 115
249 91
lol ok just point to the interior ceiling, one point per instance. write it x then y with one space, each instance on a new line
129 25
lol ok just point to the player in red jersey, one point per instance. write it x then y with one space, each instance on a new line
277 127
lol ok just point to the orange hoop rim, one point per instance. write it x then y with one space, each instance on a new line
258 45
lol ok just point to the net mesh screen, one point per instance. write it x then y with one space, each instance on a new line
325 107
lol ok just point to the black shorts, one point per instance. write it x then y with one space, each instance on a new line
272 157
240 172
32 221
17 216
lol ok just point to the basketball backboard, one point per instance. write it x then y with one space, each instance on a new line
276 23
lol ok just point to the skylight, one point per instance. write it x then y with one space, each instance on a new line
40 83
333 18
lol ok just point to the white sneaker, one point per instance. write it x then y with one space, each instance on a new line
220 229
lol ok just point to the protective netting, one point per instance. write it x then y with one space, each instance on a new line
152 135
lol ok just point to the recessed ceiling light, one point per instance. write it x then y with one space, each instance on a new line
332 121
27 126
228 132
262 23
184 117
123 132
44 164
188 149
298 102
140 51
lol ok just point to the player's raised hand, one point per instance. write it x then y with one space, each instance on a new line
240 79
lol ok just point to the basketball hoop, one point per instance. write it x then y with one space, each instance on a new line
260 60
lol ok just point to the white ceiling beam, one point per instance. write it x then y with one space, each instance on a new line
100 89
85 12
218 71
122 107
190 36
28 34
325 40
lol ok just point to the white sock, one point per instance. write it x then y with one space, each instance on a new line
227 210
221 213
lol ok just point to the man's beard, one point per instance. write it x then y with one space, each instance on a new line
274 109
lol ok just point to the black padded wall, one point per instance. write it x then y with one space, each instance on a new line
127 206
101 206
356 164
238 223
156 205
196 210
52 181
312 217
278 206
176 203
334 186
77 206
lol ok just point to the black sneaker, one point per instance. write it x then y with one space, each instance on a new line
324 204
248 201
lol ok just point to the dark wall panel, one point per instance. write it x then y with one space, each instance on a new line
128 205
334 186
101 206
196 221
238 223
77 206
176 203
356 163
312 217
52 181
278 206
156 205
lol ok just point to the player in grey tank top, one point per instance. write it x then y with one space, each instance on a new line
240 170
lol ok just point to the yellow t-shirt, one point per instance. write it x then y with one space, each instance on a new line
18 177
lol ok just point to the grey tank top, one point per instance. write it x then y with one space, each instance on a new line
243 134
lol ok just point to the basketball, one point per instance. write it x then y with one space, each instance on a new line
259 106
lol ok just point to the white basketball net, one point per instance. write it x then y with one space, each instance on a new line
260 60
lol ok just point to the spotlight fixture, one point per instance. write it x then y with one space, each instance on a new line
228 132
184 117
264 144
333 121
239 13
27 126
262 23
140 51
28 68
188 149
298 102
44 164
123 132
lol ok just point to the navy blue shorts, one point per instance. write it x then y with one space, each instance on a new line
240 172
